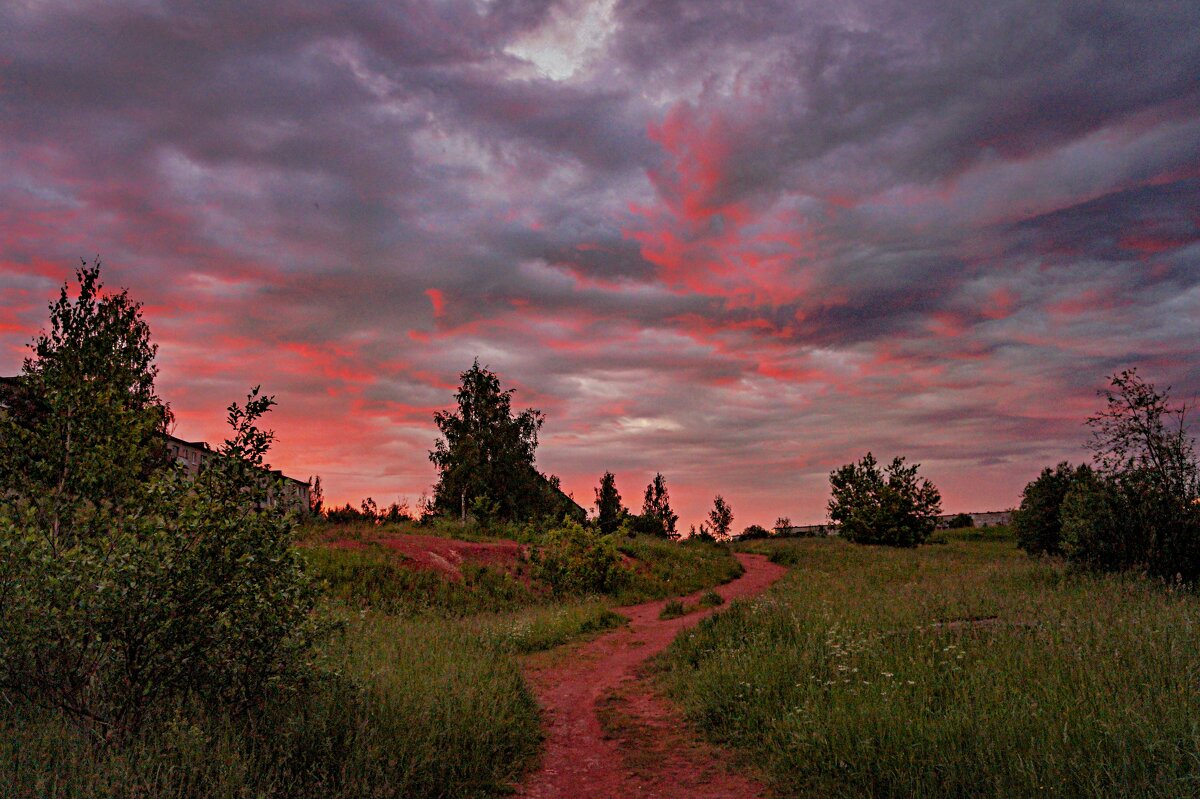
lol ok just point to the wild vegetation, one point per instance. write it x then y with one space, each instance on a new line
965 669
165 636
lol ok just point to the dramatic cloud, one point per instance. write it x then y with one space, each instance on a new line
738 243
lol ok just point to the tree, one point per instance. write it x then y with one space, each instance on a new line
753 532
783 524
85 429
128 592
1142 509
609 510
1038 521
898 509
720 518
485 458
316 496
657 517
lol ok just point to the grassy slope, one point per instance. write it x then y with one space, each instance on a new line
847 679
430 701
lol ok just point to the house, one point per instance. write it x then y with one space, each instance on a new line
194 456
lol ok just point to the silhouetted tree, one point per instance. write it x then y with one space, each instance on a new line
608 504
316 496
720 518
1141 507
657 517
485 458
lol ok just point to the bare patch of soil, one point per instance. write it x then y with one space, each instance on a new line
445 555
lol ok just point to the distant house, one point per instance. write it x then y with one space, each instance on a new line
193 456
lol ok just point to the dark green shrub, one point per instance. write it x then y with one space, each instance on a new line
711 599
199 593
1038 521
960 521
573 559
753 532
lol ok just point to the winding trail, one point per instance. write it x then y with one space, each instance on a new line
609 734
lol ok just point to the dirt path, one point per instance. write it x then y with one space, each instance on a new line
609 734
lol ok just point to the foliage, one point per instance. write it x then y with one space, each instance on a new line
711 599
953 671
316 496
485 458
782 525
959 521
425 707
609 510
1037 520
900 510
575 560
664 567
1143 510
720 518
657 518
754 531
199 593
83 429
373 577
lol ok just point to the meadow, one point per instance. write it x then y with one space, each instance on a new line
960 668
423 694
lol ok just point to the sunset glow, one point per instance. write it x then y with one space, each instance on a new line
737 243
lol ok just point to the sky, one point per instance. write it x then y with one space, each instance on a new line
738 243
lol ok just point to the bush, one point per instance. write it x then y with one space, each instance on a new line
711 599
1141 507
753 532
1038 520
198 594
576 560
960 521
900 510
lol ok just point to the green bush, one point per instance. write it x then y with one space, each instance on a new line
960 521
576 560
1038 520
711 599
198 594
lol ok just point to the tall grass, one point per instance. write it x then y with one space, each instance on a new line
422 708
957 670
664 568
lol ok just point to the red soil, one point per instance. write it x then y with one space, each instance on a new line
445 555
610 735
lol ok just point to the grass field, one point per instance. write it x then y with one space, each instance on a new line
427 698
960 669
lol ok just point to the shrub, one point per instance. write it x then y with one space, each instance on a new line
574 559
754 531
711 599
900 510
959 521
1038 519
1142 509
197 594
